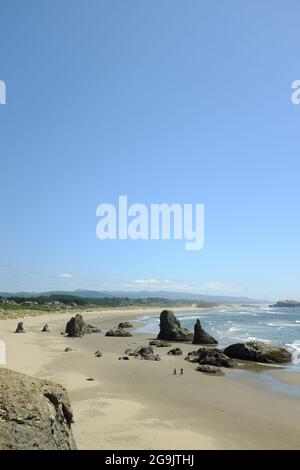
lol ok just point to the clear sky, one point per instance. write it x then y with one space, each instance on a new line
163 101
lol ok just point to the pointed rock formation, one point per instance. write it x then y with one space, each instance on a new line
200 335
170 328
76 327
45 329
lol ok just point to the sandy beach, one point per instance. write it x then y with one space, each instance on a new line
139 404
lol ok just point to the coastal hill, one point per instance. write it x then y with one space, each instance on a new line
142 294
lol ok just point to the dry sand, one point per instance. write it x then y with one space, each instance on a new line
139 404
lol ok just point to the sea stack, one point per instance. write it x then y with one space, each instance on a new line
200 335
170 328
76 327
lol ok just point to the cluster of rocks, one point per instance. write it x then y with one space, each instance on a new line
143 352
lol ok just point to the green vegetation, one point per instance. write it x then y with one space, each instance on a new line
60 302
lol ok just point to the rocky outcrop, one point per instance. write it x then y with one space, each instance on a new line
175 352
76 327
45 329
200 335
118 332
170 328
259 352
211 357
125 324
20 328
34 414
209 370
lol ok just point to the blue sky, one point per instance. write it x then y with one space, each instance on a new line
167 101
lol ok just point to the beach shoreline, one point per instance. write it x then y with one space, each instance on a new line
139 404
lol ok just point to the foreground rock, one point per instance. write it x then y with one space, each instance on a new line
76 327
210 356
34 414
20 328
209 369
200 335
259 352
170 328
119 332
125 324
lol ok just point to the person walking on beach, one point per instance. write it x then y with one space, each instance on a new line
174 371
181 371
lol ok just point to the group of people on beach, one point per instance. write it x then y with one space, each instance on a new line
175 371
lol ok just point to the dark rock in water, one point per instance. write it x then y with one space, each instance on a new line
125 324
20 328
209 369
98 354
34 414
124 358
210 356
170 328
200 335
259 352
90 379
175 352
45 329
119 332
159 343
76 327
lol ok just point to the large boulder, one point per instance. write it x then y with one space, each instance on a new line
20 328
76 327
118 332
143 352
258 351
170 328
200 335
34 414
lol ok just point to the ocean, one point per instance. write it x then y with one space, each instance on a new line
230 324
